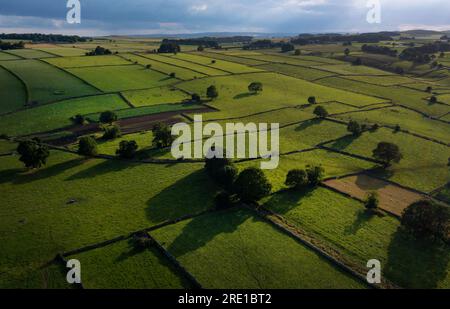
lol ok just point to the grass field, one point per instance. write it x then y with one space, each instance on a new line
46 83
283 59
110 201
296 71
231 58
14 95
344 224
348 69
6 56
86 61
424 172
383 80
57 115
123 266
30 53
119 78
64 51
261 256
155 96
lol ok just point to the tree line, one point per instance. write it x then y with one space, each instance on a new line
40 37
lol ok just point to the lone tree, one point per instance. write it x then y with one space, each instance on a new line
212 92
429 89
312 100
255 87
433 100
111 132
162 135
252 185
87 146
195 98
320 112
287 47
32 153
347 52
297 179
387 153
127 149
427 219
200 48
372 201
355 128
79 119
108 117
297 52
315 175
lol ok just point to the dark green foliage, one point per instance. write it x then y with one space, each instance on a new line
169 47
212 92
255 87
355 128
252 185
108 117
8 45
79 119
99 51
287 47
433 100
162 135
32 153
148 66
320 112
312 100
429 89
297 179
427 219
297 52
87 146
375 127
127 149
347 51
200 48
372 201
173 75
223 200
315 175
387 153
40 37
214 166
358 61
195 98
111 132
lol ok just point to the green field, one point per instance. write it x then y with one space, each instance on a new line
262 257
296 71
123 266
6 56
119 78
30 53
155 96
344 225
14 95
64 51
86 61
57 115
46 83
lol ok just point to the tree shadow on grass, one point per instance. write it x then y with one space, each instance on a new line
367 183
22 176
343 142
201 230
363 217
189 195
283 202
416 263
307 124
244 95
105 167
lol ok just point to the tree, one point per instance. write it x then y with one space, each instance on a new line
214 166
287 47
212 92
79 119
200 48
108 117
252 185
223 200
358 61
315 175
429 89
148 66
427 219
87 146
312 100
372 201
169 48
32 153
347 52
433 100
226 176
355 128
127 149
320 112
298 52
195 98
255 87
297 179
111 132
173 75
162 135
387 153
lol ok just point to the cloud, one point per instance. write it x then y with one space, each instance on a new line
167 16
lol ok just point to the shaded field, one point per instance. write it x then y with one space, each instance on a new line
56 115
13 92
46 83
6 56
393 199
155 96
233 249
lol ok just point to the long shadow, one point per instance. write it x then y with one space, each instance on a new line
106 167
308 123
201 230
362 218
243 95
361 182
283 202
132 251
189 195
416 263
343 142
21 176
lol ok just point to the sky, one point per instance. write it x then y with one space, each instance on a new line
126 17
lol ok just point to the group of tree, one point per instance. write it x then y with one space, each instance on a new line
310 177
99 51
87 146
382 50
169 47
162 135
355 128
33 153
212 92
127 149
111 132
263 44
423 54
287 47
306 39
11 45
40 37
321 112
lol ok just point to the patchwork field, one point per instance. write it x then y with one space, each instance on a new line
155 96
14 93
30 53
79 62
